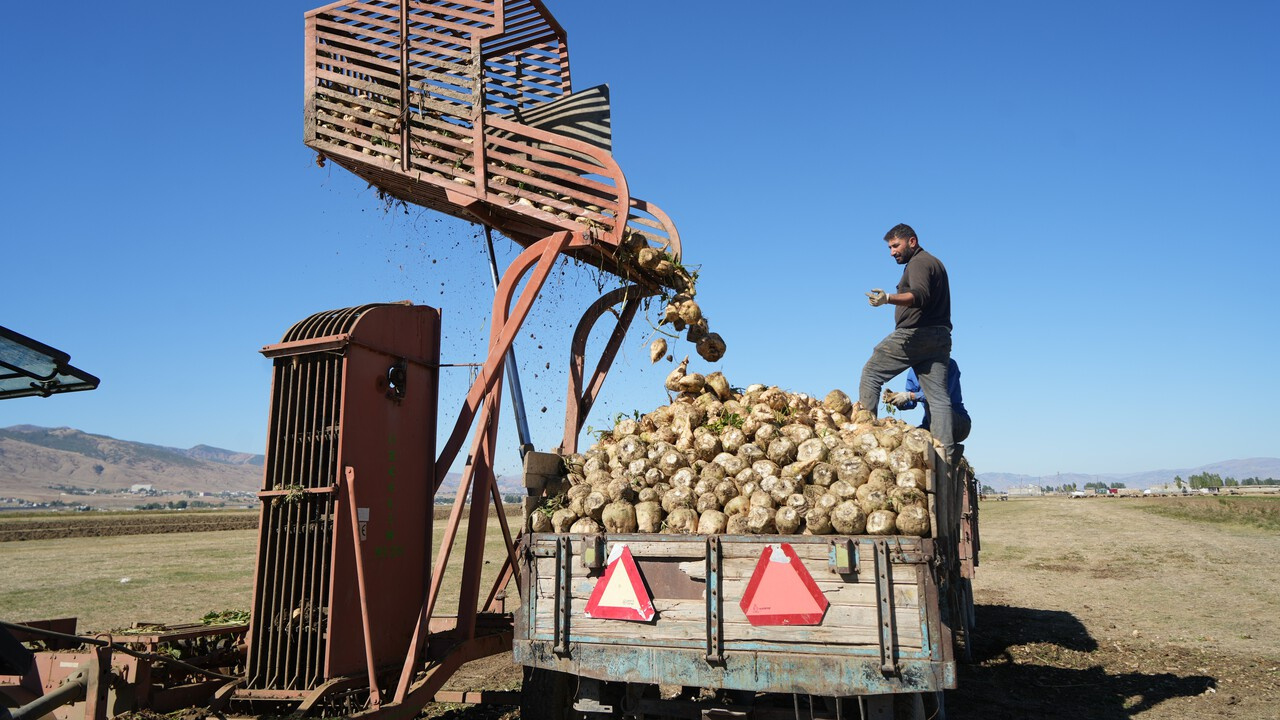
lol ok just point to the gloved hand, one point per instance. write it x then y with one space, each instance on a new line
897 399
877 297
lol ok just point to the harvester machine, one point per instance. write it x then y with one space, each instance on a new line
465 107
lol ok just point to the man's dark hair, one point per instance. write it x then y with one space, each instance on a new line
901 231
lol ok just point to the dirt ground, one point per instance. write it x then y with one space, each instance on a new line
1089 608
1094 610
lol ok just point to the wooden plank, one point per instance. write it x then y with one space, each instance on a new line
841 627
863 593
853 606
904 580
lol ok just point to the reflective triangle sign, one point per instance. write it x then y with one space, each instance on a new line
781 591
621 594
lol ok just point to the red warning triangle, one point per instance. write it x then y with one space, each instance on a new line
781 591
621 594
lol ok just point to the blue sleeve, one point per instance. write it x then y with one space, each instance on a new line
953 385
913 386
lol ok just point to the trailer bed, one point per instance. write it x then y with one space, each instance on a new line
881 632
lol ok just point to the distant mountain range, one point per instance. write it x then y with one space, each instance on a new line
39 464
42 464
1238 469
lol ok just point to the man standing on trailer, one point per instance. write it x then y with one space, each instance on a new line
921 339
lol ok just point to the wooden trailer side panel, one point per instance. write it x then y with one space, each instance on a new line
879 632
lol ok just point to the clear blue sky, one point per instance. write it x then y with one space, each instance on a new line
1100 179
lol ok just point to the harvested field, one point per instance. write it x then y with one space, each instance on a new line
50 527
1100 610
68 525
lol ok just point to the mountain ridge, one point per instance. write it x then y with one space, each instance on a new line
1240 468
43 465
45 461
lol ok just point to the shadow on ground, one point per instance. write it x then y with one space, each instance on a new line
1031 663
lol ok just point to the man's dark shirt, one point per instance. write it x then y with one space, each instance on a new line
926 279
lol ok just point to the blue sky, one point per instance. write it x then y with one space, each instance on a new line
1099 178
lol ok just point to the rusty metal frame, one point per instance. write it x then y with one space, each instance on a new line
582 396
418 99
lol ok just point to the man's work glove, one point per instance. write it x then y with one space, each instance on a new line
897 399
877 297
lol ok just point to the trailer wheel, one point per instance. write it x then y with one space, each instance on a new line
546 695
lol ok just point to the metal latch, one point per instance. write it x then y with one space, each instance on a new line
843 557
593 552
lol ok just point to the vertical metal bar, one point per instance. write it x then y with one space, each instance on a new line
99 682
715 616
478 520
884 600
499 510
447 539
512 370
309 79
375 693
332 404
302 543
293 589
479 160
564 601
305 558
318 539
405 81
332 400
278 616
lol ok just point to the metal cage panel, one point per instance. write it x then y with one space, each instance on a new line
347 495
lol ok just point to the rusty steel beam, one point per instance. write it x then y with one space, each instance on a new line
434 678
505 326
484 396
362 590
580 400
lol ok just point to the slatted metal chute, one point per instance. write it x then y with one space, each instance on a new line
429 101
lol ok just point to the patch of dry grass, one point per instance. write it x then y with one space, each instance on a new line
1259 512
113 582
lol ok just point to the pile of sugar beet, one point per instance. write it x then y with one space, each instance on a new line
754 461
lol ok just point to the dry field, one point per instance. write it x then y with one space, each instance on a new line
1153 609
